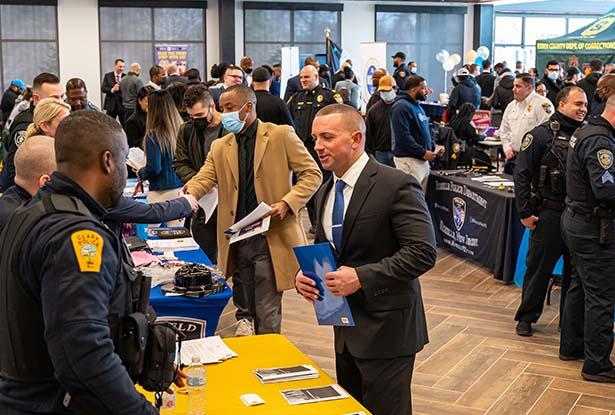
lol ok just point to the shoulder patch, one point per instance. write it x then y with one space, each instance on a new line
20 137
456 148
573 141
527 142
319 98
547 107
338 98
402 74
88 246
605 158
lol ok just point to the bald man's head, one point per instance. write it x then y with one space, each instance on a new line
171 69
92 146
308 77
34 162
135 68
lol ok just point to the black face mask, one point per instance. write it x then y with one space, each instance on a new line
200 124
248 71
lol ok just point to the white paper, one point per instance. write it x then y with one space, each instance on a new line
498 184
253 224
209 349
487 179
179 244
136 158
209 202
315 394
286 374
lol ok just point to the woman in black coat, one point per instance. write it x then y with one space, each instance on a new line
466 132
135 125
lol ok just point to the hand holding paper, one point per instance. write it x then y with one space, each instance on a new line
136 158
256 222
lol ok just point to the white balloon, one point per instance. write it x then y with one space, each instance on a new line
445 54
483 51
455 58
440 57
448 65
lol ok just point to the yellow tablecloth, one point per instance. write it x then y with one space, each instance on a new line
228 380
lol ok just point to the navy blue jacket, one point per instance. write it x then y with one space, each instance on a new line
410 134
14 197
159 169
466 91
129 210
76 307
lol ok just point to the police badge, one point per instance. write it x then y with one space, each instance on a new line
319 98
459 212
20 137
605 158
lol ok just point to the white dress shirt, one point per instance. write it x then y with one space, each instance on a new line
350 178
522 117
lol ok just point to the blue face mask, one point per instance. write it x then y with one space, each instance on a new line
388 96
553 75
231 121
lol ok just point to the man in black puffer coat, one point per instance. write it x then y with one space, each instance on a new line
466 91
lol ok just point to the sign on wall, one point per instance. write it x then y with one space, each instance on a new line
373 56
168 54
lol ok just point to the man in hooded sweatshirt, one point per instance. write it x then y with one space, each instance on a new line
466 91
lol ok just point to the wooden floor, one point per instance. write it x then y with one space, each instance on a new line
474 362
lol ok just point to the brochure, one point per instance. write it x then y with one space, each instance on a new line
286 374
312 395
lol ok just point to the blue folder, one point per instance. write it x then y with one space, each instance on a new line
315 261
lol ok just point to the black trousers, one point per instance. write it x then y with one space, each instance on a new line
545 248
205 233
117 111
595 265
381 385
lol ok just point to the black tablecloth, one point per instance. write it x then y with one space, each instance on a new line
476 222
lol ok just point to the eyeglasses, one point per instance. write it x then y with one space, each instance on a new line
235 76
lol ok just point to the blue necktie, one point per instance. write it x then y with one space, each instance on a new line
338 214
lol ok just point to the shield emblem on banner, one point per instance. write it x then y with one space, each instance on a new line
459 212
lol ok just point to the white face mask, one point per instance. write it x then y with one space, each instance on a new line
553 75
413 69
388 96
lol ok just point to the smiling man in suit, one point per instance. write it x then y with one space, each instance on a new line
111 88
376 219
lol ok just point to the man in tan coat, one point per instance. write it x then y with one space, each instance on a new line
254 164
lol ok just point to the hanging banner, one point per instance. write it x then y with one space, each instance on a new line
168 54
290 66
373 56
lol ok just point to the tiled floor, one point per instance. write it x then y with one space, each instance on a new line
474 362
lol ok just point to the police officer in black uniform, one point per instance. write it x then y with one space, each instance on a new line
303 107
66 284
401 69
45 85
588 231
540 191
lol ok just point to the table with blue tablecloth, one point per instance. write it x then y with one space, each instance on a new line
195 317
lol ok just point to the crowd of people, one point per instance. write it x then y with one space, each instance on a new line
66 159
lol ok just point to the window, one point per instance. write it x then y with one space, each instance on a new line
516 35
132 33
269 27
28 40
418 32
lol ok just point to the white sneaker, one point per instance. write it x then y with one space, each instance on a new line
244 328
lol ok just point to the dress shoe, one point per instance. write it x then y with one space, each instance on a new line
605 377
524 328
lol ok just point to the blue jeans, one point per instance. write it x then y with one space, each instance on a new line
385 157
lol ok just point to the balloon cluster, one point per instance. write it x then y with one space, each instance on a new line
449 61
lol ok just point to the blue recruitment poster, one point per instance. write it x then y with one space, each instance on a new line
168 54
315 261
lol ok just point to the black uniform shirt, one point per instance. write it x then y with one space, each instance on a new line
14 197
400 75
590 172
305 104
270 108
536 150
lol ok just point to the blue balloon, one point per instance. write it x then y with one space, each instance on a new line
479 60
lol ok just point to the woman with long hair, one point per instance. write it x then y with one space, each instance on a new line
161 128
48 114
135 124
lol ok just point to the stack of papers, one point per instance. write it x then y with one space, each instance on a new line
500 183
209 349
136 158
179 244
253 224
209 202
484 179
286 374
311 395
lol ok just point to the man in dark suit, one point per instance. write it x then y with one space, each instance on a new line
174 76
111 88
376 219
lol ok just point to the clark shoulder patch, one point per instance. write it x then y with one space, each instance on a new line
20 137
605 158
88 246
526 142
547 107
338 98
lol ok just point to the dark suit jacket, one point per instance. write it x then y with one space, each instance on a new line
389 239
175 78
111 98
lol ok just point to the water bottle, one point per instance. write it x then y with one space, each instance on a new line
196 387
168 404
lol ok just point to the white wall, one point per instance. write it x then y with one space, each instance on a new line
213 37
358 26
78 44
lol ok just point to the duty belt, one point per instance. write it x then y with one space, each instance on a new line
553 205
